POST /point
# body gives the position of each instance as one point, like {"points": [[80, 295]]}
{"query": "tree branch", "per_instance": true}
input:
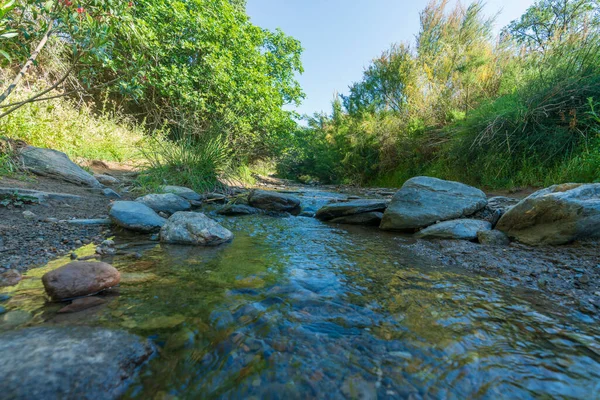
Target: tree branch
{"points": [[27, 65]]}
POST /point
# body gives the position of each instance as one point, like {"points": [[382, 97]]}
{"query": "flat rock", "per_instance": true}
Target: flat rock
{"points": [[556, 215], [111, 194], [461, 229], [372, 218], [337, 210], [79, 278], [135, 216], [191, 228], [168, 203], [85, 222], [107, 179], [423, 201], [237, 209], [493, 237], [82, 304], [273, 201], [51, 363], [55, 164], [40, 196], [184, 192]]}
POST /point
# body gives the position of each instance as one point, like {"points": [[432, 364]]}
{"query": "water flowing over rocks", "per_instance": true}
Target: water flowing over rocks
{"points": [[78, 279], [55, 164], [191, 228], [423, 201], [273, 201], [462, 229], [135, 216], [168, 203], [354, 207], [556, 215], [48, 363]]}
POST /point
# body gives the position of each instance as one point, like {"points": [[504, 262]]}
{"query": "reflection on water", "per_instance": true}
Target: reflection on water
{"points": [[295, 308]]}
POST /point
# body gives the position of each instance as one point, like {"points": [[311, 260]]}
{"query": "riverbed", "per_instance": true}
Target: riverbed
{"points": [[298, 308]]}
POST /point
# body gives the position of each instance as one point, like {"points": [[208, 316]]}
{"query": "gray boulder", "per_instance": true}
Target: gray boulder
{"points": [[556, 215], [48, 363], [55, 164], [135, 216], [273, 201], [184, 192], [237, 209], [107, 179], [168, 203], [493, 237], [461, 229], [191, 228], [111, 194], [372, 218], [423, 201], [337, 210]]}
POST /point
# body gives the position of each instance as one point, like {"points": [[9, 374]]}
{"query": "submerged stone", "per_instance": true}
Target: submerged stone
{"points": [[48, 363], [338, 210]]}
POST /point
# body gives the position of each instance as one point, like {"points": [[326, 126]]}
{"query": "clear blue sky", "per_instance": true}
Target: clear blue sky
{"points": [[340, 37]]}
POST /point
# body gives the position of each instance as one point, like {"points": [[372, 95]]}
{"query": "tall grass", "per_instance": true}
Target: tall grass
{"points": [[75, 129], [185, 160]]}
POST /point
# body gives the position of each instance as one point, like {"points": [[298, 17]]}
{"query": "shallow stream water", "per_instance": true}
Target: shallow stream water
{"points": [[297, 308]]}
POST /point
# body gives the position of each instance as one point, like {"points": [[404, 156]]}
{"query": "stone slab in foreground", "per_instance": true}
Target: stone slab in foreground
{"points": [[51, 363]]}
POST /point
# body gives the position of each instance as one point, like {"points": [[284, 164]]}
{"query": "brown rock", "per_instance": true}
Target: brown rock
{"points": [[78, 279], [82, 304], [10, 278]]}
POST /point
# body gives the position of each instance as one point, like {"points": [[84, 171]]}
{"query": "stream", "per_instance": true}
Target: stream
{"points": [[298, 308]]}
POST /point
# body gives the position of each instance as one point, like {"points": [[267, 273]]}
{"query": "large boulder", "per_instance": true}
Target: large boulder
{"points": [[49, 363], [423, 201], [556, 215], [55, 164], [461, 229], [79, 278], [135, 216], [273, 201], [372, 218], [184, 192], [168, 203], [191, 228], [337, 210]]}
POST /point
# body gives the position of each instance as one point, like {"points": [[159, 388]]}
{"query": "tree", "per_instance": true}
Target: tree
{"points": [[84, 29], [552, 21]]}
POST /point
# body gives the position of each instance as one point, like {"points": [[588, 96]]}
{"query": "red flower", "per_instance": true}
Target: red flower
{"points": [[80, 10], [131, 4]]}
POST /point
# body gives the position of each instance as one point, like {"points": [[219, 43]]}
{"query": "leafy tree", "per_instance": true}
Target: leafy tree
{"points": [[549, 22]]}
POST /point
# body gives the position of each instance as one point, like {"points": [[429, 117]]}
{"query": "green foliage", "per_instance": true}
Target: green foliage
{"points": [[78, 131], [516, 113], [17, 200], [197, 163]]}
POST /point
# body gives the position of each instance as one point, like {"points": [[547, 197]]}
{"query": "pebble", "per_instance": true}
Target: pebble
{"points": [[108, 243], [29, 215], [584, 279], [73, 256]]}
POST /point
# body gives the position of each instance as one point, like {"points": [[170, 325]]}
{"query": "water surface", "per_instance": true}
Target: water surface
{"points": [[297, 308]]}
